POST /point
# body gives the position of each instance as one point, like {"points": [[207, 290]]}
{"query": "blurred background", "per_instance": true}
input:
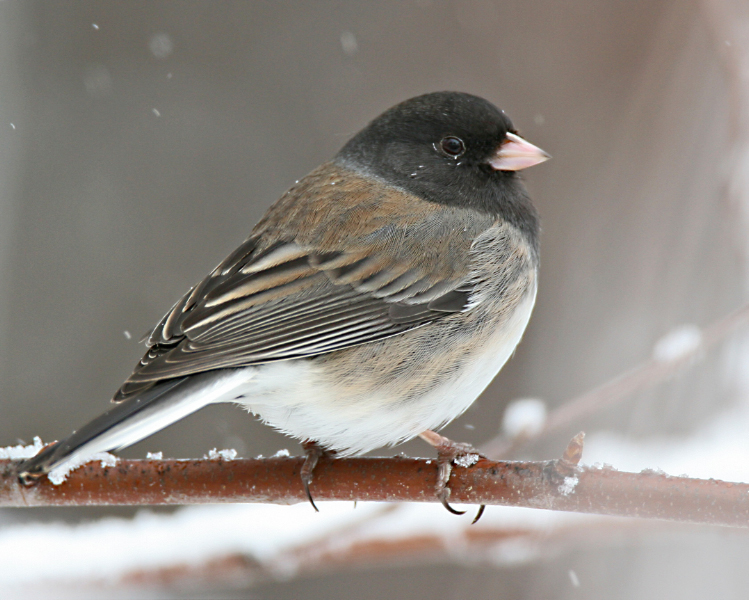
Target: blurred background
{"points": [[140, 141]]}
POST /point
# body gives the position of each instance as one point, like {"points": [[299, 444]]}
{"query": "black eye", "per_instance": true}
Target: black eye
{"points": [[452, 146]]}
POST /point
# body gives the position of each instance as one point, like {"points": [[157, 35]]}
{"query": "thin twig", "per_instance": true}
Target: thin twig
{"points": [[642, 377]]}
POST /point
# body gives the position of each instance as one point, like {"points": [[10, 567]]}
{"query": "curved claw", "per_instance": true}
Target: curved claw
{"points": [[447, 452], [312, 453], [482, 508], [309, 495], [450, 509]]}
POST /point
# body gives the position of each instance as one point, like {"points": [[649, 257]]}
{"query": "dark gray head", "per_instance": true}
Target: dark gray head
{"points": [[451, 148]]}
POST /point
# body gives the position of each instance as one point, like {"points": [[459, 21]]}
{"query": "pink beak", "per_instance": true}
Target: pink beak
{"points": [[515, 154]]}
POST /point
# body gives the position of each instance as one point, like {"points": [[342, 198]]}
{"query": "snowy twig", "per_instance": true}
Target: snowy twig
{"points": [[660, 367], [553, 485]]}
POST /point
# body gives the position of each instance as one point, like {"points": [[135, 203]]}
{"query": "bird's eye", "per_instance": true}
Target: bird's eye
{"points": [[452, 146]]}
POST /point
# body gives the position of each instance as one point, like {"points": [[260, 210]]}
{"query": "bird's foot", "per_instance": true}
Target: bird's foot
{"points": [[312, 454], [449, 454]]}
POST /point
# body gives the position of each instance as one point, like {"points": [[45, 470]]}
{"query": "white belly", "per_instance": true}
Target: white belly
{"points": [[299, 398]]}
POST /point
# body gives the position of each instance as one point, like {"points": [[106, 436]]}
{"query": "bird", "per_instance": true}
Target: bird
{"points": [[372, 303]]}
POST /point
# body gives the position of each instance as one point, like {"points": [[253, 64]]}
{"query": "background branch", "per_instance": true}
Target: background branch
{"points": [[643, 376]]}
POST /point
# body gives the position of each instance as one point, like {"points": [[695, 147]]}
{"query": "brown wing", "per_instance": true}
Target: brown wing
{"points": [[284, 294]]}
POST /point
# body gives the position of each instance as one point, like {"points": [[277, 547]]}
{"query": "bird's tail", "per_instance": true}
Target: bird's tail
{"points": [[131, 421]]}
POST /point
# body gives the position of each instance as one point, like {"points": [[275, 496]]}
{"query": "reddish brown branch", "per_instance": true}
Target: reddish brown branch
{"points": [[554, 485]]}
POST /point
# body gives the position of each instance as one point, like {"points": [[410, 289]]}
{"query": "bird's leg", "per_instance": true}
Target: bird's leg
{"points": [[312, 453], [451, 453]]}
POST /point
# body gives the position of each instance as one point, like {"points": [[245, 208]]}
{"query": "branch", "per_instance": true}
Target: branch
{"points": [[644, 376], [553, 485], [337, 553]]}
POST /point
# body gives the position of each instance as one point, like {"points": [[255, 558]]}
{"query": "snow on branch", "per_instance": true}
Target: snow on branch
{"points": [[554, 485]]}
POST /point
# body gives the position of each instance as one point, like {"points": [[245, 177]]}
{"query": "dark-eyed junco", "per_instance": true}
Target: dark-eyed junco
{"points": [[373, 302]]}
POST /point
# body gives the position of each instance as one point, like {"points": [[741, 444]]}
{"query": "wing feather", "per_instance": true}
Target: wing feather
{"points": [[281, 295]]}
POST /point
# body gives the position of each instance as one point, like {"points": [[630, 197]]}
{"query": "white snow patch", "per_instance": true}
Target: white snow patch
{"points": [[349, 43], [466, 460], [60, 474], [154, 455], [574, 578], [677, 343], [656, 472], [229, 454], [21, 451], [569, 485], [717, 451], [33, 554], [525, 416], [283, 453], [603, 466], [161, 45]]}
